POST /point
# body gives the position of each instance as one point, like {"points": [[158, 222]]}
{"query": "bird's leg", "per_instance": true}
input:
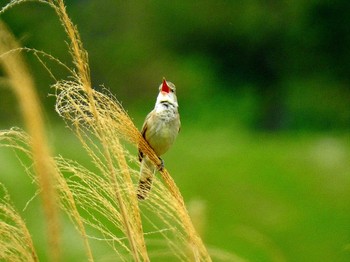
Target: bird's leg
{"points": [[161, 166]]}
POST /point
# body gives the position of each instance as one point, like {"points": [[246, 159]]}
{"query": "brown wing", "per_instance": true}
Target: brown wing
{"points": [[143, 133]]}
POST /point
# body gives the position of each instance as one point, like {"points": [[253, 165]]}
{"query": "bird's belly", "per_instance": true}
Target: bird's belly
{"points": [[162, 137]]}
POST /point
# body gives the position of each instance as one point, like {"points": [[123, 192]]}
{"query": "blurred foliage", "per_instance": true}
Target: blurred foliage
{"points": [[289, 59], [271, 65]]}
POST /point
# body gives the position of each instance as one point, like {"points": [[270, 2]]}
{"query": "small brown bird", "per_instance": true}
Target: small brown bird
{"points": [[160, 130]]}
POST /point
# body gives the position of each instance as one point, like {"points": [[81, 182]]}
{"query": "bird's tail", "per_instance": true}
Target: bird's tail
{"points": [[147, 171]]}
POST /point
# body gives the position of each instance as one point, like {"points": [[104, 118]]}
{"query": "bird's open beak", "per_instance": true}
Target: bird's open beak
{"points": [[165, 87]]}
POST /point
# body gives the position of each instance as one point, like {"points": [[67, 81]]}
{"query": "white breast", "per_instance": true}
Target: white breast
{"points": [[162, 132]]}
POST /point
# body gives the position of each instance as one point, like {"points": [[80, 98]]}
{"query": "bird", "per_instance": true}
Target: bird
{"points": [[160, 130]]}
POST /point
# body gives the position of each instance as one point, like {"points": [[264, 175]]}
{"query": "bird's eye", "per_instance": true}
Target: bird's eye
{"points": [[172, 90]]}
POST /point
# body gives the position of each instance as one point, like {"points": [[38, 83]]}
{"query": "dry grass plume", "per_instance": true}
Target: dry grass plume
{"points": [[15, 242], [23, 87], [102, 202]]}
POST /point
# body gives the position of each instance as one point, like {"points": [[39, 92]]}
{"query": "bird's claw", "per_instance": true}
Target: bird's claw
{"points": [[161, 166]]}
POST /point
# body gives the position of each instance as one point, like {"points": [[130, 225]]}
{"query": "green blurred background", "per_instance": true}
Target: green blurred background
{"points": [[264, 92]]}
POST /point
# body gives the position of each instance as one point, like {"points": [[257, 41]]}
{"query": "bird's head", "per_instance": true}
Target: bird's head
{"points": [[167, 93]]}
